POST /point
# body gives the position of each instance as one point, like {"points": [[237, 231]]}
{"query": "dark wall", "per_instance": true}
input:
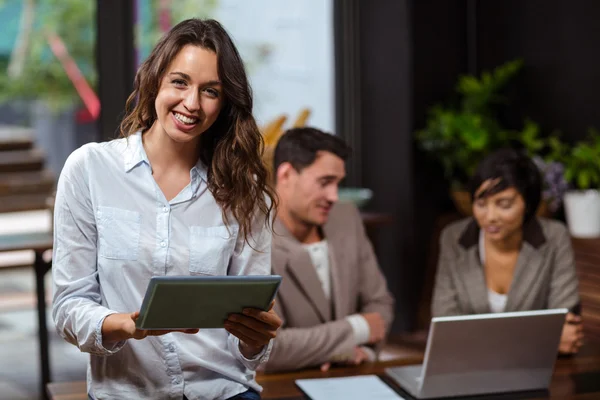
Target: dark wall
{"points": [[559, 42], [439, 56], [412, 53], [439, 34], [115, 62], [410, 56], [386, 122]]}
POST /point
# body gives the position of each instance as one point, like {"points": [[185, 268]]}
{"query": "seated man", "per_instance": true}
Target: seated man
{"points": [[333, 300]]}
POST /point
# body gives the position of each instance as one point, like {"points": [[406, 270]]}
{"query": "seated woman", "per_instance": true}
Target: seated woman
{"points": [[504, 258]]}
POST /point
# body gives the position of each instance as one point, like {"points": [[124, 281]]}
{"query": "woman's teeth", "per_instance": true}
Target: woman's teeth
{"points": [[184, 119]]}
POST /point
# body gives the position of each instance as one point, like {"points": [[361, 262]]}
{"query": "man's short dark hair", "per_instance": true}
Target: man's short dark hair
{"points": [[515, 169], [299, 147]]}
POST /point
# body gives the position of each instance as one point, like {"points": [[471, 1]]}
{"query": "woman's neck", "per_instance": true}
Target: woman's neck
{"points": [[164, 153], [508, 244]]}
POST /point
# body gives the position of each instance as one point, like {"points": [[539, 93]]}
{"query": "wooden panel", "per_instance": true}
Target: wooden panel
{"points": [[67, 391], [16, 144], [26, 182], [587, 260], [24, 202], [15, 138], [21, 160]]}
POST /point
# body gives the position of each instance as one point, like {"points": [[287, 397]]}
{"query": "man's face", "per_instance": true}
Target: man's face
{"points": [[308, 195]]}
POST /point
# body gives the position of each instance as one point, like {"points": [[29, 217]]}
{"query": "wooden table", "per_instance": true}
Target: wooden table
{"points": [[574, 378], [38, 243]]}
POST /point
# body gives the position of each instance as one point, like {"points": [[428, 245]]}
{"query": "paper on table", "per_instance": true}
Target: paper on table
{"points": [[348, 388]]}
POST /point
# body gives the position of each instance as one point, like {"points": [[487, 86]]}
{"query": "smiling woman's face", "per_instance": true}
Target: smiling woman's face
{"points": [[499, 215], [190, 95]]}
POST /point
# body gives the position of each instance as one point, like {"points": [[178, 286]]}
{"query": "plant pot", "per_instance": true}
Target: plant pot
{"points": [[464, 205], [582, 211]]}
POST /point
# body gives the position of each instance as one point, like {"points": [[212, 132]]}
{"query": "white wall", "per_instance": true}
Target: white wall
{"points": [[288, 49]]}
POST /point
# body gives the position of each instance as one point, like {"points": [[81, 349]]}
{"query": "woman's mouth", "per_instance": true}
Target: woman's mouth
{"points": [[492, 229], [185, 119], [184, 122]]}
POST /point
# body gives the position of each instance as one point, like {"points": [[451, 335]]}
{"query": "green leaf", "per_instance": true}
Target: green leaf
{"points": [[458, 138], [583, 180]]}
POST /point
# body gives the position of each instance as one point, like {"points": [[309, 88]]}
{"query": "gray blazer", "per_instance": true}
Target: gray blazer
{"points": [[544, 276], [314, 330]]}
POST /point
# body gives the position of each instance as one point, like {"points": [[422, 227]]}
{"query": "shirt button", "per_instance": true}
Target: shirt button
{"points": [[171, 348], [163, 244], [166, 209], [177, 380]]}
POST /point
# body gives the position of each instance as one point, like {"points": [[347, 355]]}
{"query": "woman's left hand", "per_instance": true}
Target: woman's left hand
{"points": [[572, 335], [255, 328]]}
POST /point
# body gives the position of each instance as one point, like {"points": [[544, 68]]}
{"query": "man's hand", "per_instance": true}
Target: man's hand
{"points": [[572, 335], [376, 327], [255, 328], [121, 326], [360, 356]]}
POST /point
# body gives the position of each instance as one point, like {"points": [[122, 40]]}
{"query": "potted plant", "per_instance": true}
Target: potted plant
{"points": [[554, 184], [582, 171], [459, 137]]}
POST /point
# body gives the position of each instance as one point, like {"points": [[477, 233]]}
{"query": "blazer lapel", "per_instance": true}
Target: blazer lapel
{"points": [[529, 263], [303, 272], [338, 278], [473, 279], [524, 279]]}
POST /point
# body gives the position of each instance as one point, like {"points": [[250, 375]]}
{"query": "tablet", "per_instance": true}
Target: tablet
{"points": [[186, 302]]}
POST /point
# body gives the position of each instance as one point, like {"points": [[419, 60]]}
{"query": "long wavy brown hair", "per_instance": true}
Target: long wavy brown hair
{"points": [[232, 147]]}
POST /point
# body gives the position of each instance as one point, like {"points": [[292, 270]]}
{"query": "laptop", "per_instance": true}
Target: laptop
{"points": [[485, 354]]}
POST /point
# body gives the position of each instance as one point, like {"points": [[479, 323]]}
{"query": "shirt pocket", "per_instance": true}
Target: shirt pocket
{"points": [[118, 233], [211, 249]]}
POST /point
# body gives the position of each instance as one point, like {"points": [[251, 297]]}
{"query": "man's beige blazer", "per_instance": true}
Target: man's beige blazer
{"points": [[314, 330]]}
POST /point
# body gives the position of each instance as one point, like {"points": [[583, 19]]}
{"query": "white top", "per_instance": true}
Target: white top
{"points": [[114, 230], [496, 301], [319, 255]]}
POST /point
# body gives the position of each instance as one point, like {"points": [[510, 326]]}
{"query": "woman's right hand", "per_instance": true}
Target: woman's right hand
{"points": [[121, 326], [572, 335]]}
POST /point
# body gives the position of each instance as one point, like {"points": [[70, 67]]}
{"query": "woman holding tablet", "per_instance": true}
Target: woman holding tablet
{"points": [[183, 192], [505, 258]]}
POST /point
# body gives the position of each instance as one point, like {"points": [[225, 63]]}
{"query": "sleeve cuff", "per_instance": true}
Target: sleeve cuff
{"points": [[250, 363], [371, 354], [100, 349], [360, 327]]}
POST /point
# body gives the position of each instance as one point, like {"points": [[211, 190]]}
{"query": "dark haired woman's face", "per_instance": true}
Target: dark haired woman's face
{"points": [[190, 95], [499, 215]]}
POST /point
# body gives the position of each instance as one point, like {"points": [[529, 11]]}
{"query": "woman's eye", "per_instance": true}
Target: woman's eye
{"points": [[212, 92], [178, 82], [505, 205]]}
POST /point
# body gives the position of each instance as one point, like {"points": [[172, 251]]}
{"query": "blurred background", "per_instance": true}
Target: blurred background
{"points": [[421, 90]]}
